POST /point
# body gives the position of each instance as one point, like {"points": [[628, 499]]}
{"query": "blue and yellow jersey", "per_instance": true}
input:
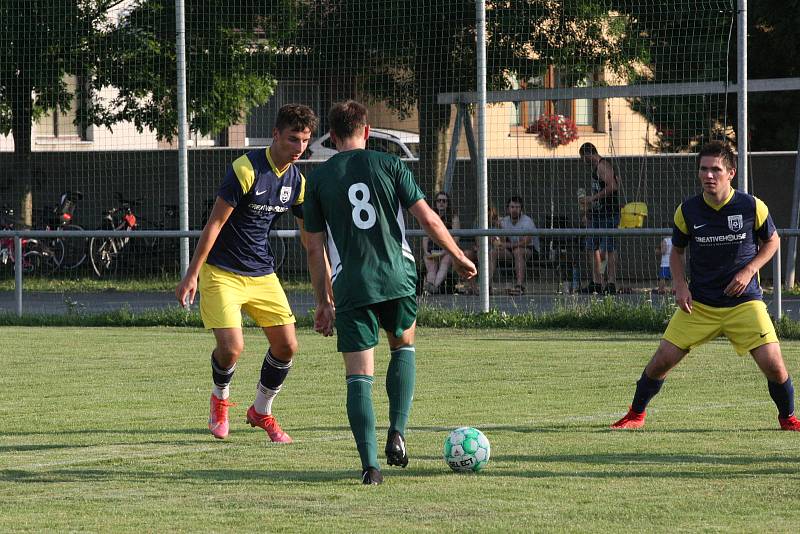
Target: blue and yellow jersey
{"points": [[722, 240], [259, 194]]}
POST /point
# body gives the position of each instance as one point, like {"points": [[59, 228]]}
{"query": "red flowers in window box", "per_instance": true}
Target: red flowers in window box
{"points": [[555, 130]]}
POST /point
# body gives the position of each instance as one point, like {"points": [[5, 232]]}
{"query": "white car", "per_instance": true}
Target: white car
{"points": [[404, 145]]}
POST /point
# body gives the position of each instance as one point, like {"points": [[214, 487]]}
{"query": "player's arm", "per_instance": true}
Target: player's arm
{"points": [[435, 228], [187, 288], [321, 282], [766, 250], [677, 260], [677, 265]]}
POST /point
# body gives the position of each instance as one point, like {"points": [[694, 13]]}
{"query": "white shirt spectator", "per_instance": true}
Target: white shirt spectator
{"points": [[666, 249], [523, 223]]}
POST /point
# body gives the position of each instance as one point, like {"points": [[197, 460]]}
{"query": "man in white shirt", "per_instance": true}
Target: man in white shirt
{"points": [[519, 248]]}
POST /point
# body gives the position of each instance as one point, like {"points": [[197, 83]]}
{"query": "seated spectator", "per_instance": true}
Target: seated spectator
{"points": [[518, 248], [437, 260]]}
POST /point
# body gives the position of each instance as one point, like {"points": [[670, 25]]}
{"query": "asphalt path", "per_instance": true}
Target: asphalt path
{"points": [[40, 302]]}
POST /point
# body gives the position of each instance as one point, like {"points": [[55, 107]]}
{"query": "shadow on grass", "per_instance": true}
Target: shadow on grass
{"points": [[591, 466], [615, 338]]}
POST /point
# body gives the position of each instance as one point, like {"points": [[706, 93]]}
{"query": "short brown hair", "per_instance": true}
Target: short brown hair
{"points": [[346, 118], [296, 117], [587, 149], [718, 149]]}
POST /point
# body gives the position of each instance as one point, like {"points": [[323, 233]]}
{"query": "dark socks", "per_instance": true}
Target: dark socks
{"points": [[221, 377], [274, 371], [646, 389], [362, 418], [400, 381], [783, 395]]}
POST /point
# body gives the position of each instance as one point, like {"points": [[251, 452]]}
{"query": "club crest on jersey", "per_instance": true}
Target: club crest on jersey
{"points": [[735, 222], [286, 194]]}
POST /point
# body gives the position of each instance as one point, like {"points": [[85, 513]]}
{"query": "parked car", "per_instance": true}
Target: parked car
{"points": [[405, 145]]}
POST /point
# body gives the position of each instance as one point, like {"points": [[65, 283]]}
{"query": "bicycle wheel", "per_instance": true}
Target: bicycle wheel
{"points": [[74, 248], [278, 248], [43, 256], [103, 256]]}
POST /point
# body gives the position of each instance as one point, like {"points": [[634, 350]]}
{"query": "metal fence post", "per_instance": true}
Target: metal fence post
{"points": [[483, 188], [183, 154], [18, 273]]}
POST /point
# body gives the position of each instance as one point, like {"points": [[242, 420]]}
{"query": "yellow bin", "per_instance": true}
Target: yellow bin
{"points": [[632, 215]]}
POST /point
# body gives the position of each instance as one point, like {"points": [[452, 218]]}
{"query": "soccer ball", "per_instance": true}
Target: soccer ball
{"points": [[466, 449]]}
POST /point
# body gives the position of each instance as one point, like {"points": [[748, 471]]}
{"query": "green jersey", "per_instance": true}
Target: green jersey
{"points": [[357, 197]]}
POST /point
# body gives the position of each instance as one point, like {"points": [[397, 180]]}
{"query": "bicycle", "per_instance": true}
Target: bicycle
{"points": [[36, 255], [61, 216], [104, 251]]}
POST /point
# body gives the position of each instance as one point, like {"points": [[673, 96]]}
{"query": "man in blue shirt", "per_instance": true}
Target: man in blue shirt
{"points": [[730, 236], [235, 267]]}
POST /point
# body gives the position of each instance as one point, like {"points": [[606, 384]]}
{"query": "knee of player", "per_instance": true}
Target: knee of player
{"points": [[285, 350], [228, 351]]}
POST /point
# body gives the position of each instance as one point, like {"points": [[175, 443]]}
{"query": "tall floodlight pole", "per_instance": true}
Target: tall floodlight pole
{"points": [[183, 154], [741, 58], [483, 196]]}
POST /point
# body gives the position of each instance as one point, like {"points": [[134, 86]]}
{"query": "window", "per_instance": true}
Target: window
{"points": [[582, 111], [262, 119], [60, 124]]}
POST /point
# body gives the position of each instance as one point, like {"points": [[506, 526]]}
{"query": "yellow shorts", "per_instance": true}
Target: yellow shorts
{"points": [[223, 296], [747, 326]]}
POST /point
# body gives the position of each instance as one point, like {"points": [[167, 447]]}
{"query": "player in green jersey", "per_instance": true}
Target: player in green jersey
{"points": [[353, 210]]}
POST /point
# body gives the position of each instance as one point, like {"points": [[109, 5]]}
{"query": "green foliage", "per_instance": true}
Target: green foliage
{"points": [[230, 54], [606, 314]]}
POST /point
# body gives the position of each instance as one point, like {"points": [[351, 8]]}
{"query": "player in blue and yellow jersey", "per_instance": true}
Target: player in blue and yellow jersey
{"points": [[354, 205], [730, 236], [235, 267]]}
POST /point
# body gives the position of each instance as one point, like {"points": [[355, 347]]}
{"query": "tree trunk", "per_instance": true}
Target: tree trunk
{"points": [[22, 120], [434, 120]]}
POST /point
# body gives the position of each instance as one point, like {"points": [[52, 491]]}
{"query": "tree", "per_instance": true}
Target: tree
{"points": [[706, 35], [774, 52], [404, 53], [129, 45]]}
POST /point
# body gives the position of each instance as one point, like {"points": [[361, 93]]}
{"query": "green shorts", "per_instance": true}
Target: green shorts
{"points": [[747, 326], [357, 329]]}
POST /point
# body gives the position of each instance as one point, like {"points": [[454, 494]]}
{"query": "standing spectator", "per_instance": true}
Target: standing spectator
{"points": [[517, 248], [354, 204], [730, 236], [664, 274], [601, 210], [236, 271], [437, 260]]}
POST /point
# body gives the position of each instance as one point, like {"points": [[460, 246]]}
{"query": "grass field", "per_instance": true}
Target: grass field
{"points": [[104, 429]]}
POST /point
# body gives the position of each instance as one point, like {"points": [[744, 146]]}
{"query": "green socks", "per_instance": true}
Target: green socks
{"points": [[400, 380], [362, 418]]}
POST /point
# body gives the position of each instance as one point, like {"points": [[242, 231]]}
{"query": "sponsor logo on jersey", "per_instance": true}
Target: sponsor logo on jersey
{"points": [[286, 194], [735, 222], [728, 238], [268, 208]]}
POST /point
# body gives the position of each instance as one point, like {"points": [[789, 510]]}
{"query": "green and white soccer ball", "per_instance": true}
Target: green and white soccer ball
{"points": [[466, 449]]}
